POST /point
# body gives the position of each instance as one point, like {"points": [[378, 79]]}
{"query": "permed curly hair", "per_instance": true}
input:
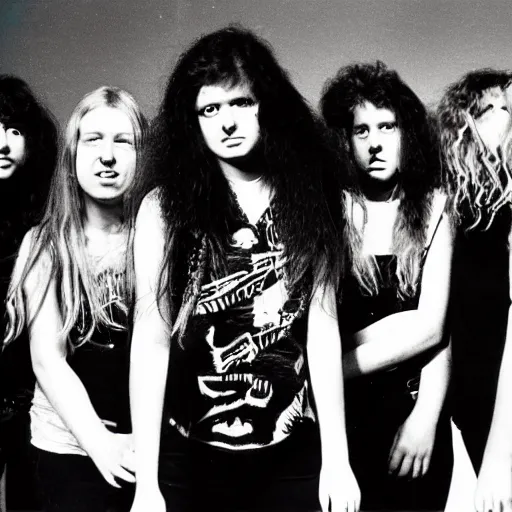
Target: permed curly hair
{"points": [[351, 87], [196, 198], [478, 179]]}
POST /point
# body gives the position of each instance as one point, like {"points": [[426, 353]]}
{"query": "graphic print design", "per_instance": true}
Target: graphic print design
{"points": [[251, 383]]}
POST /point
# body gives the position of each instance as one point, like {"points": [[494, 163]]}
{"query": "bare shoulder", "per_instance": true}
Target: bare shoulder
{"points": [[34, 263], [151, 206], [150, 220], [439, 200]]}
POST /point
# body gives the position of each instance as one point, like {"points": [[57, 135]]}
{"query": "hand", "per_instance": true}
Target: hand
{"points": [[145, 500], [494, 484], [412, 447], [113, 456], [338, 490]]}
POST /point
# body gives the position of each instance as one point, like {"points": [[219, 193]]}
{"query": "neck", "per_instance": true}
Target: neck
{"points": [[248, 170], [103, 217], [379, 191]]}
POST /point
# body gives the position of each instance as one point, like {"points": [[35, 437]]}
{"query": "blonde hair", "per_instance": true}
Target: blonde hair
{"points": [[478, 179], [409, 239], [60, 237]]}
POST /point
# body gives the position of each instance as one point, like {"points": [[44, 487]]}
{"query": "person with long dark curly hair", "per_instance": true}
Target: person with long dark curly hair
{"points": [[394, 301], [475, 126], [235, 248], [28, 151], [69, 291]]}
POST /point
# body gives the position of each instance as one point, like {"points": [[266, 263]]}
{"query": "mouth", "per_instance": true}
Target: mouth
{"points": [[232, 139], [374, 159], [5, 161], [107, 174]]}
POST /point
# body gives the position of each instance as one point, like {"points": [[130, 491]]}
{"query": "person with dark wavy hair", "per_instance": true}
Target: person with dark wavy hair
{"points": [[235, 249], [28, 151], [393, 304], [475, 127]]}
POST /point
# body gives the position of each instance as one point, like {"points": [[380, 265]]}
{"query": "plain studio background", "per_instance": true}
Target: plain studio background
{"points": [[64, 49]]}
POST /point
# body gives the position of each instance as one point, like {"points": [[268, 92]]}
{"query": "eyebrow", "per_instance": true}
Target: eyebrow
{"points": [[248, 95], [96, 132], [481, 111]]}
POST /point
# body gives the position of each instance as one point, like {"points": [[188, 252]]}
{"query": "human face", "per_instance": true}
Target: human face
{"points": [[492, 117], [376, 141], [12, 150], [105, 156], [228, 117]]}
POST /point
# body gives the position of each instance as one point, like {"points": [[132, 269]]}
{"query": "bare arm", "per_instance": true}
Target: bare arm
{"points": [[324, 355], [149, 354], [414, 441], [59, 382], [404, 335], [435, 378]]}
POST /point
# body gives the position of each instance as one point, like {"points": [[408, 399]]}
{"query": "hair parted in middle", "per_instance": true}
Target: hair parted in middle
{"points": [[23, 195], [419, 171], [59, 240], [296, 161], [477, 179]]}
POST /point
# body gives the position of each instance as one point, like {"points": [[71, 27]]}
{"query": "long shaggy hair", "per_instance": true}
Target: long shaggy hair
{"points": [[352, 86], [477, 178], [23, 195], [60, 239], [198, 203]]}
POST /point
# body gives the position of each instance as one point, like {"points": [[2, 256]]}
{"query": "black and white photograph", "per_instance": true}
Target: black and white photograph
{"points": [[255, 255]]}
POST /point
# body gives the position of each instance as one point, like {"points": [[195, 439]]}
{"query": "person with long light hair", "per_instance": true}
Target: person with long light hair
{"points": [[69, 290], [28, 152], [235, 248], [475, 131], [393, 303]]}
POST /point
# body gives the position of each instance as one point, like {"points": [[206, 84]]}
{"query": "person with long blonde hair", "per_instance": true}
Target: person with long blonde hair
{"points": [[69, 290], [475, 127], [393, 303]]}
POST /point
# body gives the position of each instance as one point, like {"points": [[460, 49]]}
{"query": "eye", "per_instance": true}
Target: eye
{"points": [[243, 102], [90, 139], [209, 111], [388, 127], [124, 140], [361, 132], [16, 132]]}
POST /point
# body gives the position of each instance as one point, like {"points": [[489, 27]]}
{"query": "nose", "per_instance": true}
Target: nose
{"points": [[107, 153], [4, 147], [228, 121], [374, 143]]}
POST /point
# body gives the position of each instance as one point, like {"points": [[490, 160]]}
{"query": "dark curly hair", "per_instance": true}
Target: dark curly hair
{"points": [[23, 195], [478, 180], [419, 170], [295, 154]]}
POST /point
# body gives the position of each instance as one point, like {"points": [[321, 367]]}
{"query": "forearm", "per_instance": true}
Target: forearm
{"points": [[68, 396], [434, 382], [391, 341], [148, 374], [324, 357]]}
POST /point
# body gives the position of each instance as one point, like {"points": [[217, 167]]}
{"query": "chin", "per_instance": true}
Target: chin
{"points": [[5, 174]]}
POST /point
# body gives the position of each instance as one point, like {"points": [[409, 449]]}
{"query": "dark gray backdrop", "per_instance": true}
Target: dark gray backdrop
{"points": [[65, 48]]}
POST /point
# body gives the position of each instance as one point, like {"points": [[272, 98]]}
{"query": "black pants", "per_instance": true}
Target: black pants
{"points": [[71, 483], [375, 409], [195, 476]]}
